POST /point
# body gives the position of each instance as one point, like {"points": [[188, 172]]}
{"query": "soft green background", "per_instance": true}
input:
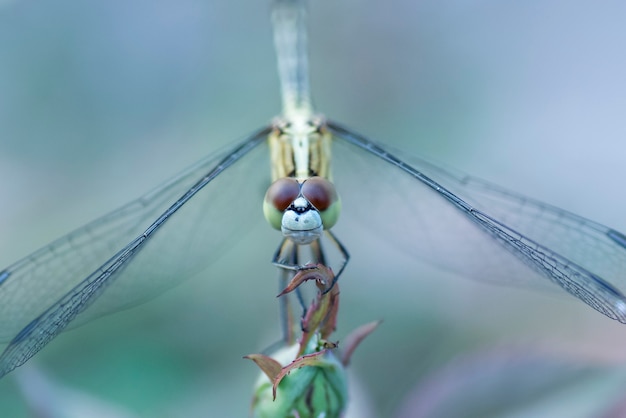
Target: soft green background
{"points": [[100, 101]]}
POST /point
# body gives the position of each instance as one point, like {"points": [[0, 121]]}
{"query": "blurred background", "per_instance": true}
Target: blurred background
{"points": [[101, 101]]}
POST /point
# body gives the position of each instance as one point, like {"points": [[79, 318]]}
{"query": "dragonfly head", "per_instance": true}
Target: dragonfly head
{"points": [[302, 209]]}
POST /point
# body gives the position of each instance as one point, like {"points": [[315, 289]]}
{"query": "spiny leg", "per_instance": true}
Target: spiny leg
{"points": [[281, 256], [288, 255], [344, 255]]}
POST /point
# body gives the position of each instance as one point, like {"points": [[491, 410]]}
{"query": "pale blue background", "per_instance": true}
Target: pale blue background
{"points": [[100, 101]]}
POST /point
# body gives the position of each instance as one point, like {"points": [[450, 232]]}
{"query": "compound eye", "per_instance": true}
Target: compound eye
{"points": [[323, 196], [320, 192], [278, 197], [282, 192]]}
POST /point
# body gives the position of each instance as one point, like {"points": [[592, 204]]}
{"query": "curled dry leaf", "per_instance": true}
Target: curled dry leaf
{"points": [[321, 317], [322, 275]]}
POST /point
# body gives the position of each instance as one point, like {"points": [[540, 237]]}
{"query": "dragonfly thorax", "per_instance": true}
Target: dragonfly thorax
{"points": [[300, 148]]}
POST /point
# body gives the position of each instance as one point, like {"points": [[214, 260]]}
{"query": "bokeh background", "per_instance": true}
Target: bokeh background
{"points": [[101, 101]]}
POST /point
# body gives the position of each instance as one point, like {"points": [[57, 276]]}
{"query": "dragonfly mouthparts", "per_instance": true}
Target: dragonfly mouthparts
{"points": [[301, 222]]}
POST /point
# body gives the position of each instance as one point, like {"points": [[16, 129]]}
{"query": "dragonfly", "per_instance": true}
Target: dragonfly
{"points": [[457, 222]]}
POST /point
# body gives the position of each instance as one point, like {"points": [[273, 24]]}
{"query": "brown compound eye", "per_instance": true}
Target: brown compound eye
{"points": [[282, 192], [320, 192], [323, 196], [278, 197]]}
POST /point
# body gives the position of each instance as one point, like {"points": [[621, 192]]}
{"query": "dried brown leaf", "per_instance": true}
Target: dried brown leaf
{"points": [[268, 365]]}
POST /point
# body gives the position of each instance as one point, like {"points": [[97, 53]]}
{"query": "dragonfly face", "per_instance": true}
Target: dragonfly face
{"points": [[301, 210]]}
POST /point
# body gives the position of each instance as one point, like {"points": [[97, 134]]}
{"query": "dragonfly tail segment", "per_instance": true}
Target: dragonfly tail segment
{"points": [[290, 41]]}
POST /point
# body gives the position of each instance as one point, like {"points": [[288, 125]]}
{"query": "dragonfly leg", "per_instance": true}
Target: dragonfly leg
{"points": [[287, 253], [345, 257]]}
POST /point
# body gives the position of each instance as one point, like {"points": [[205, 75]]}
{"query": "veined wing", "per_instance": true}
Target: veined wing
{"points": [[133, 253], [479, 230]]}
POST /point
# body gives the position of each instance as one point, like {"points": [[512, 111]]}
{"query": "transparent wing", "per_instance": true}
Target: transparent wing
{"points": [[476, 229], [134, 252]]}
